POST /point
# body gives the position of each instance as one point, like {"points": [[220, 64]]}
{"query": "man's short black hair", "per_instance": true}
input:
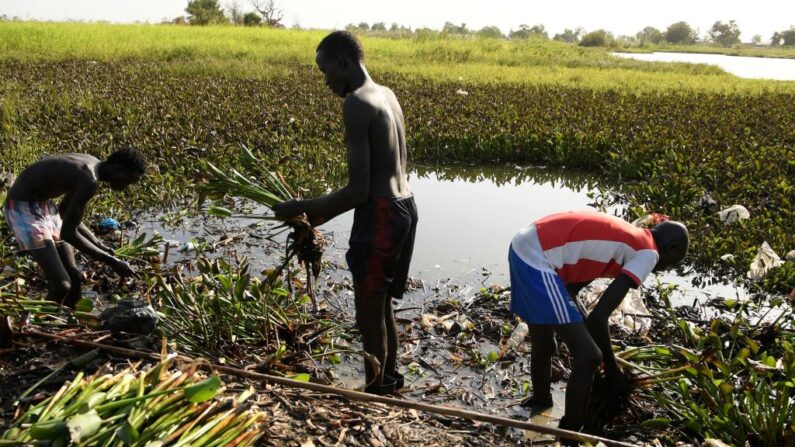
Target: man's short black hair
{"points": [[342, 43], [128, 157]]}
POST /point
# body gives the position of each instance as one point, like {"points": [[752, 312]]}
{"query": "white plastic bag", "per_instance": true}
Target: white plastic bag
{"points": [[766, 259], [629, 314], [733, 214]]}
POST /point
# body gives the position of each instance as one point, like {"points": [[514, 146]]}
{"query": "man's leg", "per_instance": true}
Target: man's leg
{"points": [[371, 322], [586, 358], [542, 347], [390, 364], [67, 255], [58, 281]]}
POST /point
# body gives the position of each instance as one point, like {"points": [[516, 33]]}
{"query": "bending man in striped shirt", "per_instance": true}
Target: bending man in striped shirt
{"points": [[550, 262]]}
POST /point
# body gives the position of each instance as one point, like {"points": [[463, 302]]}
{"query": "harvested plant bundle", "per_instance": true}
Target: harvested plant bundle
{"points": [[43, 311], [140, 248], [305, 242], [151, 408]]}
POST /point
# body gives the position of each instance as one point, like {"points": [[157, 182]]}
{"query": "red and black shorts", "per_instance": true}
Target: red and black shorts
{"points": [[381, 245]]}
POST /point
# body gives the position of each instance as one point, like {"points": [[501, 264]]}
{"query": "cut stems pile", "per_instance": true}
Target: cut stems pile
{"points": [[157, 407]]}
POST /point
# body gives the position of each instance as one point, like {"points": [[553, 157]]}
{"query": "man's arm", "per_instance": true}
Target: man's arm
{"points": [[93, 239], [597, 321], [357, 115], [81, 228], [72, 214]]}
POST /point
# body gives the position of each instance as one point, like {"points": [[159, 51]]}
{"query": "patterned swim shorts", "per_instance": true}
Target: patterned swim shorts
{"points": [[33, 223]]}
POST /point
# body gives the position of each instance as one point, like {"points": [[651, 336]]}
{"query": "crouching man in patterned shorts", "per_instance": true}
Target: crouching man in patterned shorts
{"points": [[48, 231]]}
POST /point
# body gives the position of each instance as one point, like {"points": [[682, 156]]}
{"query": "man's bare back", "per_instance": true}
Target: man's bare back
{"points": [[54, 177], [388, 177]]}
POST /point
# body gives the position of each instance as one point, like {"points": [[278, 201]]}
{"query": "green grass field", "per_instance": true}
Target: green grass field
{"points": [[262, 53]]}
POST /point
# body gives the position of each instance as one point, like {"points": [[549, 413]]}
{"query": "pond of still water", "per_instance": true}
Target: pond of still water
{"points": [[741, 66]]}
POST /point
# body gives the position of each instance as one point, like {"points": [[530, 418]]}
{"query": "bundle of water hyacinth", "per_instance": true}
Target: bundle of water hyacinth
{"points": [[152, 408], [141, 248], [305, 242]]}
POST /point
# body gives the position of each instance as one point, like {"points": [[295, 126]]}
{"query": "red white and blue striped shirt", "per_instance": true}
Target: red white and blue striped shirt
{"points": [[583, 246]]}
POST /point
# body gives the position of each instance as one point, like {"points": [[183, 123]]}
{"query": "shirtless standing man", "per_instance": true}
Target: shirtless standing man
{"points": [[385, 220], [48, 232]]}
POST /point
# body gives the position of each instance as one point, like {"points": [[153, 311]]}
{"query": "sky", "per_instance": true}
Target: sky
{"points": [[625, 17]]}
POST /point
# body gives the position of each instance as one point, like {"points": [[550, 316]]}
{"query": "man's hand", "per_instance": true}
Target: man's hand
{"points": [[288, 209], [121, 268], [316, 221]]}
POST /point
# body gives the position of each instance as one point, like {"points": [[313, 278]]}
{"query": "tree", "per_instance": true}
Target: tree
{"points": [[784, 37], [379, 26], [725, 34], [598, 38], [757, 39], [490, 31], [235, 11], [450, 28], [681, 33], [650, 35], [205, 12], [271, 15], [252, 19], [526, 32], [570, 36]]}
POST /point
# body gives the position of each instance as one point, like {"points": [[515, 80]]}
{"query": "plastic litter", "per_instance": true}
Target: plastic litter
{"points": [[628, 315], [132, 316], [649, 220], [727, 257], [764, 261], [734, 213], [108, 224], [462, 92], [707, 203], [518, 335], [790, 256], [187, 247]]}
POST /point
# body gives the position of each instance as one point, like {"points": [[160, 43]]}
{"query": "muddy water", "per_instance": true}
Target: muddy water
{"points": [[468, 216]]}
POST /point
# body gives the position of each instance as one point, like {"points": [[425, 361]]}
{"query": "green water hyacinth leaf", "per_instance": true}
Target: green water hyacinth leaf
{"points": [[302, 377], [84, 305], [48, 431], [204, 390], [83, 425], [93, 401], [127, 433], [657, 423], [219, 211]]}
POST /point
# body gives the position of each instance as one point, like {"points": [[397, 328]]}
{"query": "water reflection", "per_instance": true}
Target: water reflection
{"points": [[468, 214], [508, 175]]}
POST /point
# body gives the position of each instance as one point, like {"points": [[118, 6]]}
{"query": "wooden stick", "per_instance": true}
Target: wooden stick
{"points": [[350, 394]]}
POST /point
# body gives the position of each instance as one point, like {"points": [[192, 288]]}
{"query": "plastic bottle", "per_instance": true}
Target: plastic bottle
{"points": [[518, 335]]}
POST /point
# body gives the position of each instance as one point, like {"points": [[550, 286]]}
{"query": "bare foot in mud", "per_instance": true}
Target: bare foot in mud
{"points": [[537, 403]]}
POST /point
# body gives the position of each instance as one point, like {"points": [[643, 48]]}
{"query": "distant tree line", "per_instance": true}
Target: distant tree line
{"points": [[680, 33], [209, 12]]}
